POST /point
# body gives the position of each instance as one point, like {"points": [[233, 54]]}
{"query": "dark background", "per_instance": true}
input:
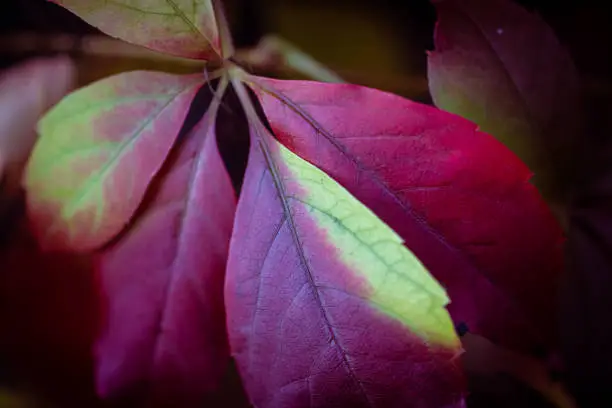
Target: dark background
{"points": [[378, 43]]}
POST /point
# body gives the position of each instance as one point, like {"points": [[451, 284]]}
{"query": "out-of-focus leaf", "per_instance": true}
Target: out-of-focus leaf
{"points": [[325, 305], [503, 68], [277, 55], [27, 91], [185, 28], [162, 282], [99, 149], [460, 200]]}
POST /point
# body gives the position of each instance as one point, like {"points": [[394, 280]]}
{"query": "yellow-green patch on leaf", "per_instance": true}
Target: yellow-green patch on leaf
{"points": [[398, 284], [98, 151]]}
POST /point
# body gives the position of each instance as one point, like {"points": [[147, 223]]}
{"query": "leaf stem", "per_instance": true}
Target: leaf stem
{"points": [[227, 44], [275, 54]]}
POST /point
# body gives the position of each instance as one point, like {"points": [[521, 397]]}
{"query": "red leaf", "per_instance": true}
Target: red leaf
{"points": [[503, 68], [98, 151], [460, 200], [316, 297], [162, 283]]}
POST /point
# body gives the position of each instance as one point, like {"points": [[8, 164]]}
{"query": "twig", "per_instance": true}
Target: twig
{"points": [[274, 54]]}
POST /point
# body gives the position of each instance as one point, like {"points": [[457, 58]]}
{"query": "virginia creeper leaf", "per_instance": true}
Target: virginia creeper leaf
{"points": [[503, 68], [325, 305], [458, 197], [163, 283], [99, 149], [184, 28]]}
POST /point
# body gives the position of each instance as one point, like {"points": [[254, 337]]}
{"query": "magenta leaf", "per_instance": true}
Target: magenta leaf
{"points": [[98, 151], [459, 198], [162, 282], [325, 305]]}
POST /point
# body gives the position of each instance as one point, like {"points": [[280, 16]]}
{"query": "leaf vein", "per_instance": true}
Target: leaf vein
{"points": [[187, 21], [360, 167], [280, 188], [137, 9], [122, 146], [185, 210], [260, 283], [384, 261]]}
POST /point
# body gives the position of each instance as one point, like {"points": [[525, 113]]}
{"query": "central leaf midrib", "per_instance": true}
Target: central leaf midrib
{"points": [[87, 187], [128, 142], [280, 188], [405, 206], [210, 116], [376, 255]]}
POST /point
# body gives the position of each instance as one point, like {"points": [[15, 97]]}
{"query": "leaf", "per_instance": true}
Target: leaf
{"points": [[99, 149], [162, 282], [40, 84], [459, 199], [275, 54], [325, 305], [184, 28], [503, 68]]}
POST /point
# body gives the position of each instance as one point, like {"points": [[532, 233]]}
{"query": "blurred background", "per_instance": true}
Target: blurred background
{"points": [[380, 43], [377, 43]]}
